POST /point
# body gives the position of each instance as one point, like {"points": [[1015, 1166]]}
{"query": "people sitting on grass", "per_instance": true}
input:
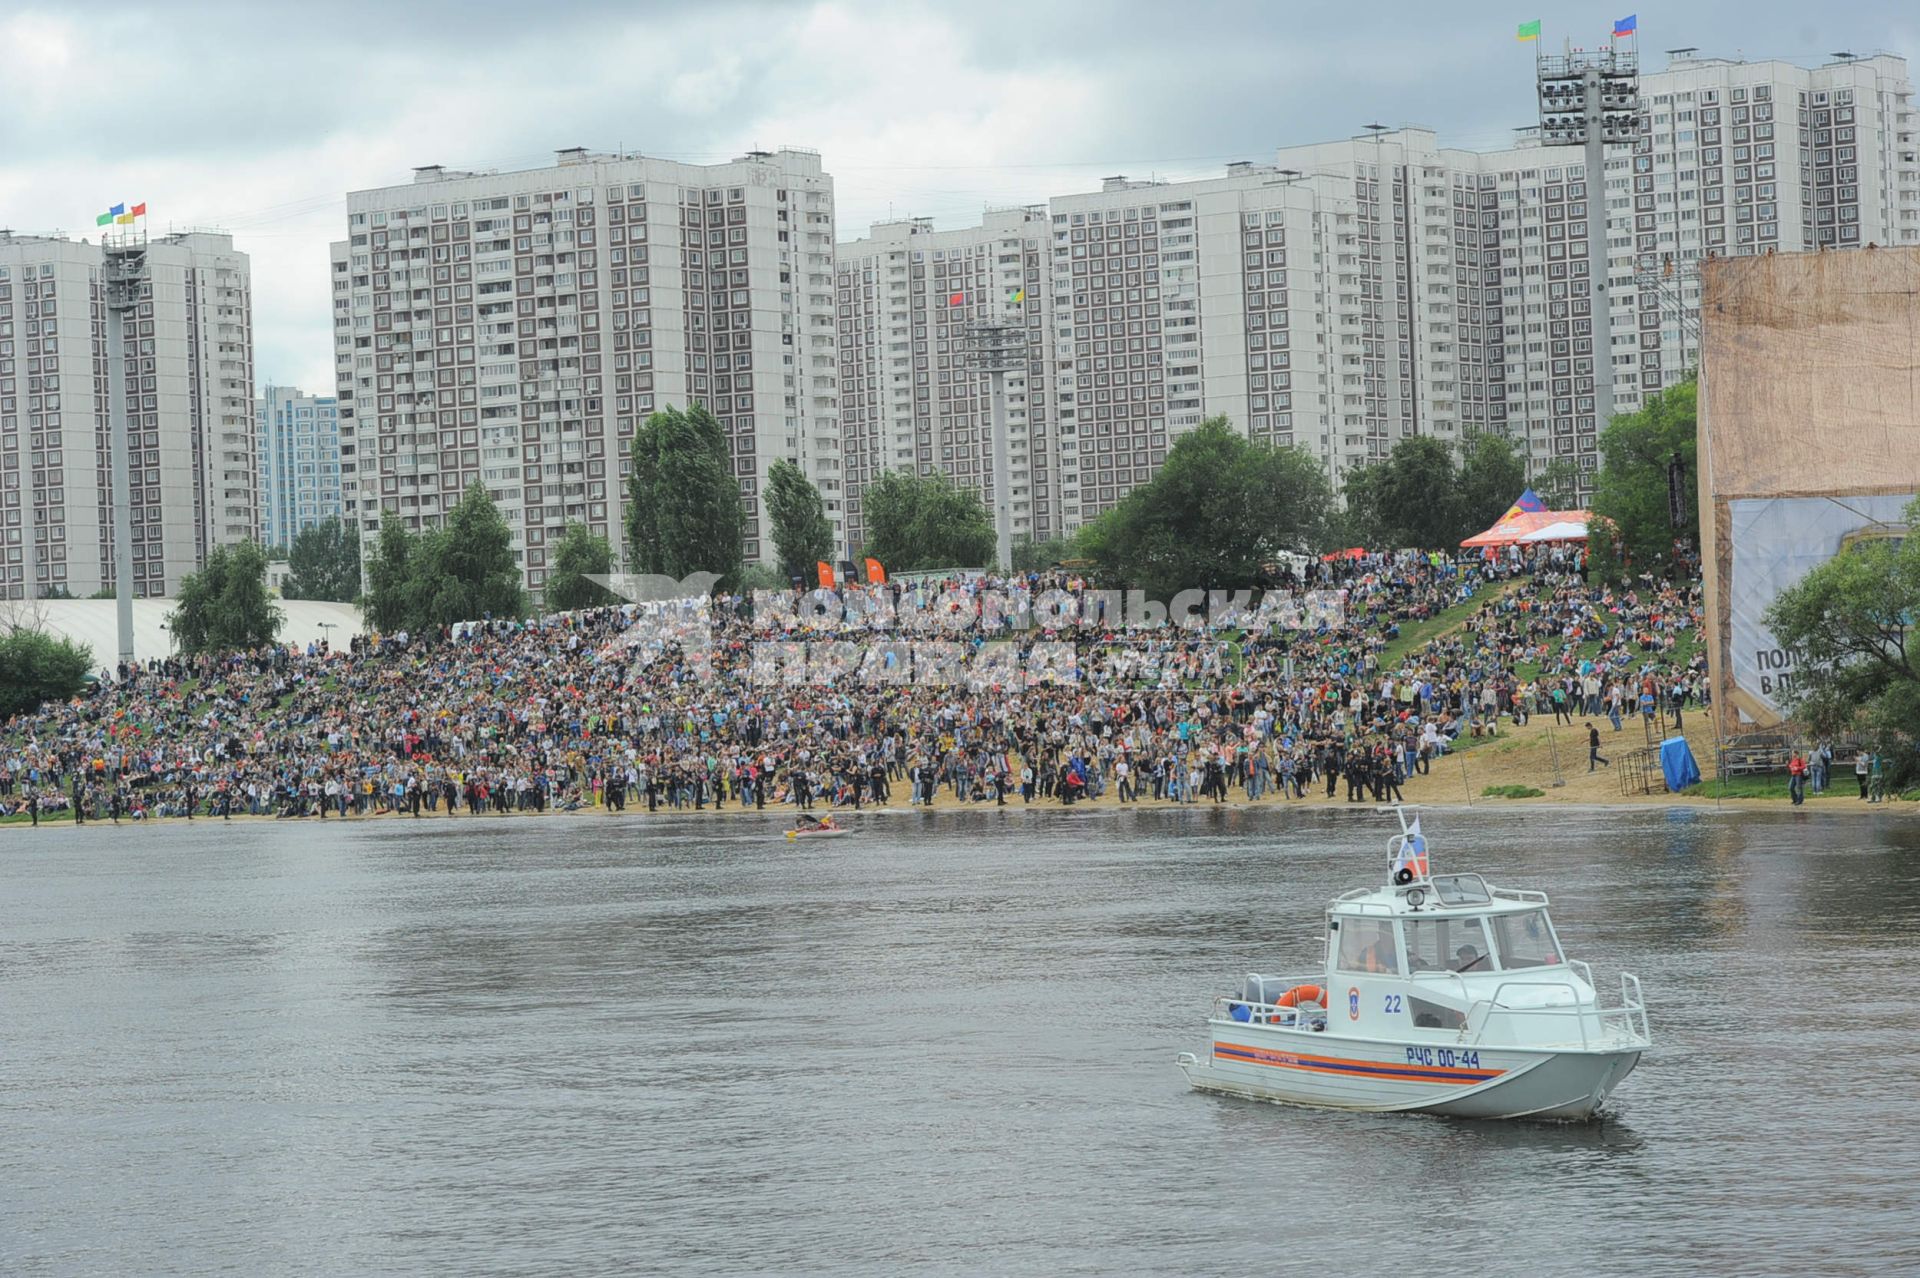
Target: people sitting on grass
{"points": [[567, 713]]}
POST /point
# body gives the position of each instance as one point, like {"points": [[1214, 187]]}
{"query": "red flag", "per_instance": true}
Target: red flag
{"points": [[876, 575], [825, 570], [956, 299], [140, 210]]}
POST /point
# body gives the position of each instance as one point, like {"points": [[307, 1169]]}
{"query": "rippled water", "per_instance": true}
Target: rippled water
{"points": [[947, 1044]]}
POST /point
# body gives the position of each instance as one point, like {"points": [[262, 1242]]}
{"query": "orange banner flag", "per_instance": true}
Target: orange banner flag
{"points": [[876, 575], [825, 570]]}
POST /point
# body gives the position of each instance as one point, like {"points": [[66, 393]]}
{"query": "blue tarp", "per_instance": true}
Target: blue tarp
{"points": [[1676, 760]]}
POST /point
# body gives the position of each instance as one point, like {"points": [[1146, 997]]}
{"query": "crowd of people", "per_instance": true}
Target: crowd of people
{"points": [[662, 706]]}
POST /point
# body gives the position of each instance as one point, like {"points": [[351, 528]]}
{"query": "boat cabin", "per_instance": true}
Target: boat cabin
{"points": [[1421, 954]]}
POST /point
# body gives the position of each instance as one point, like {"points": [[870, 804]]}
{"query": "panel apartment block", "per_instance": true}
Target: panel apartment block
{"points": [[1355, 292], [191, 428], [909, 398], [299, 462], [515, 328]]}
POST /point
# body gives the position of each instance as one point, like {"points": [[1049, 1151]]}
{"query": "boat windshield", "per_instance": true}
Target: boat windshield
{"points": [[1461, 889], [1525, 940], [1448, 945]]}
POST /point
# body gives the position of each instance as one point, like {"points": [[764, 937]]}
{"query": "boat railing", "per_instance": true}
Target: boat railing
{"points": [[1357, 905], [1608, 1024]]}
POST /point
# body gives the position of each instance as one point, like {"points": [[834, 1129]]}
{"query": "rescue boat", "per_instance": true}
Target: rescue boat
{"points": [[1439, 994]]}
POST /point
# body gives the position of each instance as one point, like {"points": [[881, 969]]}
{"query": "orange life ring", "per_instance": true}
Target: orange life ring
{"points": [[1300, 994]]}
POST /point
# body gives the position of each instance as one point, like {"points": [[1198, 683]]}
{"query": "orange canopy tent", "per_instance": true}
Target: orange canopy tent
{"points": [[1527, 517], [1519, 528]]}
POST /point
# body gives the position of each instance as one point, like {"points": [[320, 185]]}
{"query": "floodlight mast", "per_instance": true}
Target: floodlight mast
{"points": [[1590, 98]]}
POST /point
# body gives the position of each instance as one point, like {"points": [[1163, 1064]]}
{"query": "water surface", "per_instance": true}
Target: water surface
{"points": [[946, 1044]]}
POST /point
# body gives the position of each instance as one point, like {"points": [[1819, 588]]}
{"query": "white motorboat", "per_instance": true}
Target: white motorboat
{"points": [[1439, 995]]}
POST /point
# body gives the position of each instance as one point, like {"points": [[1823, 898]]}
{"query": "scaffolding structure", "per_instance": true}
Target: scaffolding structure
{"points": [[1590, 98], [128, 284]]}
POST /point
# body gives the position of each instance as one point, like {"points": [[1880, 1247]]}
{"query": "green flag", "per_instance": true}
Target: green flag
{"points": [[103, 220], [1529, 30]]}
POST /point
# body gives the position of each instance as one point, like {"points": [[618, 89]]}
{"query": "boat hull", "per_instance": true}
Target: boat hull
{"points": [[1336, 1071]]}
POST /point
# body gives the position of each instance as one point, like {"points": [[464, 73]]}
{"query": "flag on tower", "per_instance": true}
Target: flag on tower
{"points": [[103, 220], [139, 210], [1627, 25], [117, 209], [1528, 30], [1412, 856]]}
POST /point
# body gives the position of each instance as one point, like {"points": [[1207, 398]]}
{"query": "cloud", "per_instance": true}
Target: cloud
{"points": [[260, 118]]}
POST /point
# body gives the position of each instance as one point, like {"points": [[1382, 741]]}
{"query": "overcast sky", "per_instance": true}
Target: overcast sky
{"points": [[258, 117]]}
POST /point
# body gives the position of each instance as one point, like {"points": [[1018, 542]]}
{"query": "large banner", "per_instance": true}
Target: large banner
{"points": [[1777, 541]]}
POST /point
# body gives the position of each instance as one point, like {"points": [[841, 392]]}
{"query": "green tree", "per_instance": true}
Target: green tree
{"points": [[36, 667], [1492, 474], [1558, 484], [925, 521], [1412, 498], [387, 605], [466, 570], [582, 553], [684, 513], [1219, 508], [225, 606], [324, 563], [797, 517], [1631, 491], [1850, 625], [1038, 556], [760, 577]]}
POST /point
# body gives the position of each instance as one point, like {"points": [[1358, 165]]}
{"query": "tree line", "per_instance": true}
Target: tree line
{"points": [[1219, 510]]}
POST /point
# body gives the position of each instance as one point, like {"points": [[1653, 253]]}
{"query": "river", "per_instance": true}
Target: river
{"points": [[578, 1045]]}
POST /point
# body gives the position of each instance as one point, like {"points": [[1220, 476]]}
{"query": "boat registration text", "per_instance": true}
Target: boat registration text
{"points": [[1442, 1056]]}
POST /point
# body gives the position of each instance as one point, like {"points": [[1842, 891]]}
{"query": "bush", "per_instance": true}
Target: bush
{"points": [[1511, 792], [36, 667]]}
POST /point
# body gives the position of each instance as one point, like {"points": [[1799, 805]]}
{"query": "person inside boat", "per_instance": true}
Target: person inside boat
{"points": [[1381, 955], [1466, 958]]}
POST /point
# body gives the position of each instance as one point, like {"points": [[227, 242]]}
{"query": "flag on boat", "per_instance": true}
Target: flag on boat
{"points": [[1412, 856], [1528, 30], [1627, 25]]}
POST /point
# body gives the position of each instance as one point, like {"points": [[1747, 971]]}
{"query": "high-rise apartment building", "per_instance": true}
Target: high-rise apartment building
{"points": [[1355, 292], [515, 328], [910, 397], [189, 375], [299, 462]]}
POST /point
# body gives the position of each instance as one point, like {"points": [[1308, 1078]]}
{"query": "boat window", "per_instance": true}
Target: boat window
{"points": [[1461, 889], [1368, 945], [1447, 945], [1428, 1015], [1525, 940]]}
